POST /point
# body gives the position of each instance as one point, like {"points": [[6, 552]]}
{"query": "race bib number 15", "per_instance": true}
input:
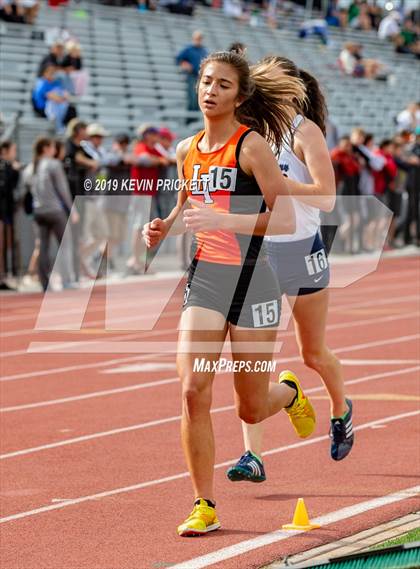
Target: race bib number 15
{"points": [[218, 178], [265, 313]]}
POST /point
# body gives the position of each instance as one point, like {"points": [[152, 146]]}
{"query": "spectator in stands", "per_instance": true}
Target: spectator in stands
{"points": [[353, 63], [412, 234], [390, 26], [235, 9], [57, 57], [143, 5], [184, 7], [331, 134], [385, 188], [335, 15], [51, 101], [19, 11], [77, 167], [9, 12], [408, 40], [238, 47], [314, 27], [363, 16], [375, 13], [189, 59], [52, 209], [347, 171], [409, 118], [146, 161], [78, 75], [76, 163], [30, 10], [95, 230], [9, 179], [164, 201], [116, 205], [369, 161], [28, 179], [56, 3], [404, 162]]}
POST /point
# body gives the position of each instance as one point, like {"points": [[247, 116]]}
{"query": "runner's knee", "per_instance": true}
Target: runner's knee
{"points": [[314, 359], [250, 414], [196, 395]]}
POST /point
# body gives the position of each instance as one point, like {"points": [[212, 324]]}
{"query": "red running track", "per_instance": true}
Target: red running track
{"points": [[92, 473]]}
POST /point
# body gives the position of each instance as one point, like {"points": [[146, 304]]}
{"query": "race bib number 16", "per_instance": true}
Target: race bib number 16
{"points": [[317, 262]]}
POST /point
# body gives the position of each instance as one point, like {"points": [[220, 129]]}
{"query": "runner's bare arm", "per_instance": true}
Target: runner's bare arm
{"points": [[310, 145]]}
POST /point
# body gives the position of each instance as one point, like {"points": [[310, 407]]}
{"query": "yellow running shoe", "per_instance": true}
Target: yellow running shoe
{"points": [[301, 413], [202, 519]]}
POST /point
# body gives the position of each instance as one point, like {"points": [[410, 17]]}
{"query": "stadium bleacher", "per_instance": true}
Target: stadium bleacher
{"points": [[130, 58]]}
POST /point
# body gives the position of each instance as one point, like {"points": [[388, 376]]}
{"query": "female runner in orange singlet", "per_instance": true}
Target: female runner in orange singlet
{"points": [[232, 179]]}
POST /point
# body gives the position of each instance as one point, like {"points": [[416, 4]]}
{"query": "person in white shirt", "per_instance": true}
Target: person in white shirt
{"points": [[409, 118], [389, 26], [301, 265]]}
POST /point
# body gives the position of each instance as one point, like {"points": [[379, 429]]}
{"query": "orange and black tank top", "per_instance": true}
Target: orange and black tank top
{"points": [[216, 179]]}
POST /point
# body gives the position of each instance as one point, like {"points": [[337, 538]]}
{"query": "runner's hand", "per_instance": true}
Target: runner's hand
{"points": [[201, 217], [154, 232]]}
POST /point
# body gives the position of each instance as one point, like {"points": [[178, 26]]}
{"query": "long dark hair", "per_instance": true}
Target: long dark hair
{"points": [[314, 107], [40, 144], [267, 108]]}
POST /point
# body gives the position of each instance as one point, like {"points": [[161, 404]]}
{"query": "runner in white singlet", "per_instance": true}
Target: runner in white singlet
{"points": [[301, 265]]}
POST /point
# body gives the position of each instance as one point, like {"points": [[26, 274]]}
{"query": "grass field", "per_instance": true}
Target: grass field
{"points": [[411, 536]]}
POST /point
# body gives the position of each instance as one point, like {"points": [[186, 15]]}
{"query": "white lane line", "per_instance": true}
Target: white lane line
{"points": [[60, 347], [63, 347], [181, 475], [40, 373], [172, 347], [354, 291], [376, 302], [103, 393], [90, 323], [141, 368], [98, 308], [158, 422], [152, 384], [357, 347], [280, 535], [353, 362], [93, 365], [103, 434], [93, 323]]}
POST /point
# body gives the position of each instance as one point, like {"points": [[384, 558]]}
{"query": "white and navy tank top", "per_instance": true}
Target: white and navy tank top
{"points": [[307, 217]]}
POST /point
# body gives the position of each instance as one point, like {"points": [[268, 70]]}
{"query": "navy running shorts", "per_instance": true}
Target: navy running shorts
{"points": [[301, 267], [247, 296]]}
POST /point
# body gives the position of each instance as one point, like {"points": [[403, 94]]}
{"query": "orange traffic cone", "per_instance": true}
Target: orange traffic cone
{"points": [[301, 519]]}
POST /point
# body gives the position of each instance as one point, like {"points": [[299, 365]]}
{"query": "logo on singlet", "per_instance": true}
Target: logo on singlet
{"points": [[218, 178], [284, 168]]}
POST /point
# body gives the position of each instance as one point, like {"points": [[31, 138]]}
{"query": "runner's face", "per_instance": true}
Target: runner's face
{"points": [[218, 90]]}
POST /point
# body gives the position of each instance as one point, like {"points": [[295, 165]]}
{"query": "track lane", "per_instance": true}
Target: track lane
{"points": [[123, 529], [131, 541]]}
